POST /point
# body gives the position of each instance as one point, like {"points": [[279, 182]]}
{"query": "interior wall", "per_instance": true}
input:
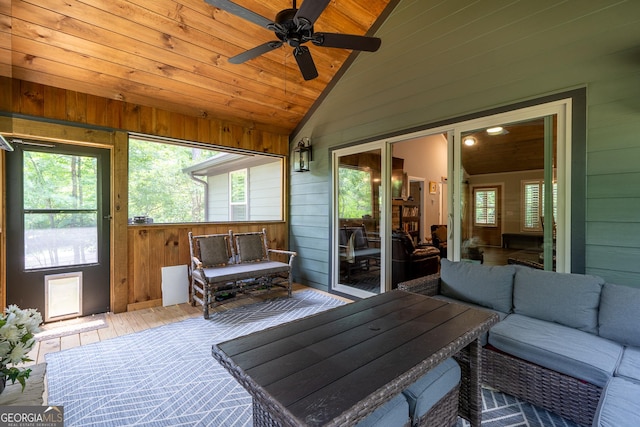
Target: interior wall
{"points": [[426, 157]]}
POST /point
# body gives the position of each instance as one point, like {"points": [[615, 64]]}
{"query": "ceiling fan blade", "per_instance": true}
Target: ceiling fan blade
{"points": [[240, 11], [305, 62], [309, 12], [255, 52], [347, 41]]}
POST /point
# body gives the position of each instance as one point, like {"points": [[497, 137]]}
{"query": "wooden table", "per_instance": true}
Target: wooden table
{"points": [[334, 368]]}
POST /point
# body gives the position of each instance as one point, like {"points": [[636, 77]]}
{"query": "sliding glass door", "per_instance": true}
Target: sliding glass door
{"points": [[510, 183]]}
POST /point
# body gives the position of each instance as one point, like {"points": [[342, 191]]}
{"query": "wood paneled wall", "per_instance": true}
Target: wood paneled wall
{"points": [[138, 252]]}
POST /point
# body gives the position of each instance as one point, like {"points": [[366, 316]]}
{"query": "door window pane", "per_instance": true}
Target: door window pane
{"points": [[60, 239]]}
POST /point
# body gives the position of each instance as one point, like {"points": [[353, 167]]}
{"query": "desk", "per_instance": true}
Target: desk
{"points": [[334, 368]]}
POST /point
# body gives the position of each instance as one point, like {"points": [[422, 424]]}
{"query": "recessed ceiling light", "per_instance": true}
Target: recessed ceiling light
{"points": [[495, 130], [469, 141]]}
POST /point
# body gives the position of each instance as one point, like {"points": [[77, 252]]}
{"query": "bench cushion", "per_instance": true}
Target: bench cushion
{"points": [[630, 364], [393, 413], [568, 299], [620, 314], [431, 387], [618, 406], [566, 350], [488, 286], [244, 271]]}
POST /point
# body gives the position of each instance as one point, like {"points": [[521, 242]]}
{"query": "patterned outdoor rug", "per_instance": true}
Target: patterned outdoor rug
{"points": [[166, 376]]}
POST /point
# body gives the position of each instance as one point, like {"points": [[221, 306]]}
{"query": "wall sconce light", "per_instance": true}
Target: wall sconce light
{"points": [[302, 155]]}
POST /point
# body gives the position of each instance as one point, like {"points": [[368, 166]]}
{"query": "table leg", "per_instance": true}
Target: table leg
{"points": [[470, 404]]}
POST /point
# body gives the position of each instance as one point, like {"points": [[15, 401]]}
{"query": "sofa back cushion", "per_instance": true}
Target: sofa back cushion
{"points": [[620, 314], [568, 299], [488, 286]]}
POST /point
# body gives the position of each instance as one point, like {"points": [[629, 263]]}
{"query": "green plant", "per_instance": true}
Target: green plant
{"points": [[17, 329]]}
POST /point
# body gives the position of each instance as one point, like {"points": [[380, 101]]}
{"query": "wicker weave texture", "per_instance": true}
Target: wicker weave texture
{"points": [[426, 285], [444, 413], [566, 396]]}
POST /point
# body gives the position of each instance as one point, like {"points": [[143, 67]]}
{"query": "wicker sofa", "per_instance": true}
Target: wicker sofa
{"points": [[569, 343]]}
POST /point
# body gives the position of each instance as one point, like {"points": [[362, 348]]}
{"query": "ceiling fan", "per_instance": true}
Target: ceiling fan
{"points": [[295, 27]]}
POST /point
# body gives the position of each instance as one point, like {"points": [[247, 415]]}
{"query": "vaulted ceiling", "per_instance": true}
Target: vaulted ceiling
{"points": [[173, 54]]}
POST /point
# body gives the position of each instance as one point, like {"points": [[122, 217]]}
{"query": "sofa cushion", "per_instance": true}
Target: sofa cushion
{"points": [[488, 286], [630, 364], [566, 350], [431, 387], [618, 406], [620, 314], [569, 299], [393, 413]]}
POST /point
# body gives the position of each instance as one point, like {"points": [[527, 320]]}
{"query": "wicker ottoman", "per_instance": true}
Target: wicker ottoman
{"points": [[433, 399]]}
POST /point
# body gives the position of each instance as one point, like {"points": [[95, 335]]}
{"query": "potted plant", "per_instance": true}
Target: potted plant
{"points": [[17, 329]]}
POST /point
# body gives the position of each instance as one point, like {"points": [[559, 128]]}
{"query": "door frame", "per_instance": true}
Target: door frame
{"points": [[103, 153], [385, 213]]}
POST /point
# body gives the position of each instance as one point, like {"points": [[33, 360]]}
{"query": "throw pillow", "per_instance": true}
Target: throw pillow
{"points": [[565, 298], [250, 247], [620, 314], [488, 286], [214, 250]]}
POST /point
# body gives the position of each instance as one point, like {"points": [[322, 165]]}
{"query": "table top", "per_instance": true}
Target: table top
{"points": [[334, 367]]}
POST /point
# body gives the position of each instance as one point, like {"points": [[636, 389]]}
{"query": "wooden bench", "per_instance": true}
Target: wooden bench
{"points": [[235, 265]]}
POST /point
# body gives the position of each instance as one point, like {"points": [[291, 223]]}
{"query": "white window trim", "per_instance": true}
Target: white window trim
{"points": [[474, 191], [245, 203]]}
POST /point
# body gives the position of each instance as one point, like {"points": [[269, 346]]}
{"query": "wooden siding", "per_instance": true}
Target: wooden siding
{"points": [[138, 252], [452, 58]]}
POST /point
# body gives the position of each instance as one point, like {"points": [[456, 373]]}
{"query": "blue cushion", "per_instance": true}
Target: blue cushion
{"points": [[619, 405], [488, 286], [569, 299], [566, 350], [393, 413], [431, 387], [630, 364], [620, 314]]}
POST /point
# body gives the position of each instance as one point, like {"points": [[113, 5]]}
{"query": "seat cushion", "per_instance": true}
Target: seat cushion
{"points": [[393, 413], [619, 405], [568, 299], [488, 286], [630, 364], [566, 350], [620, 314], [431, 387]]}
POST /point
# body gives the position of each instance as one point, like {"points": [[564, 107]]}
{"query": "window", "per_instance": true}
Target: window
{"points": [[533, 204], [174, 181], [485, 206], [355, 193], [238, 191]]}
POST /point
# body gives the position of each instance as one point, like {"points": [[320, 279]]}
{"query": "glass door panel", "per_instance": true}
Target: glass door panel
{"points": [[508, 186], [358, 266]]}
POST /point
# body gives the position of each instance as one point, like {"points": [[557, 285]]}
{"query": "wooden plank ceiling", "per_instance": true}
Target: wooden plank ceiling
{"points": [[172, 55]]}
